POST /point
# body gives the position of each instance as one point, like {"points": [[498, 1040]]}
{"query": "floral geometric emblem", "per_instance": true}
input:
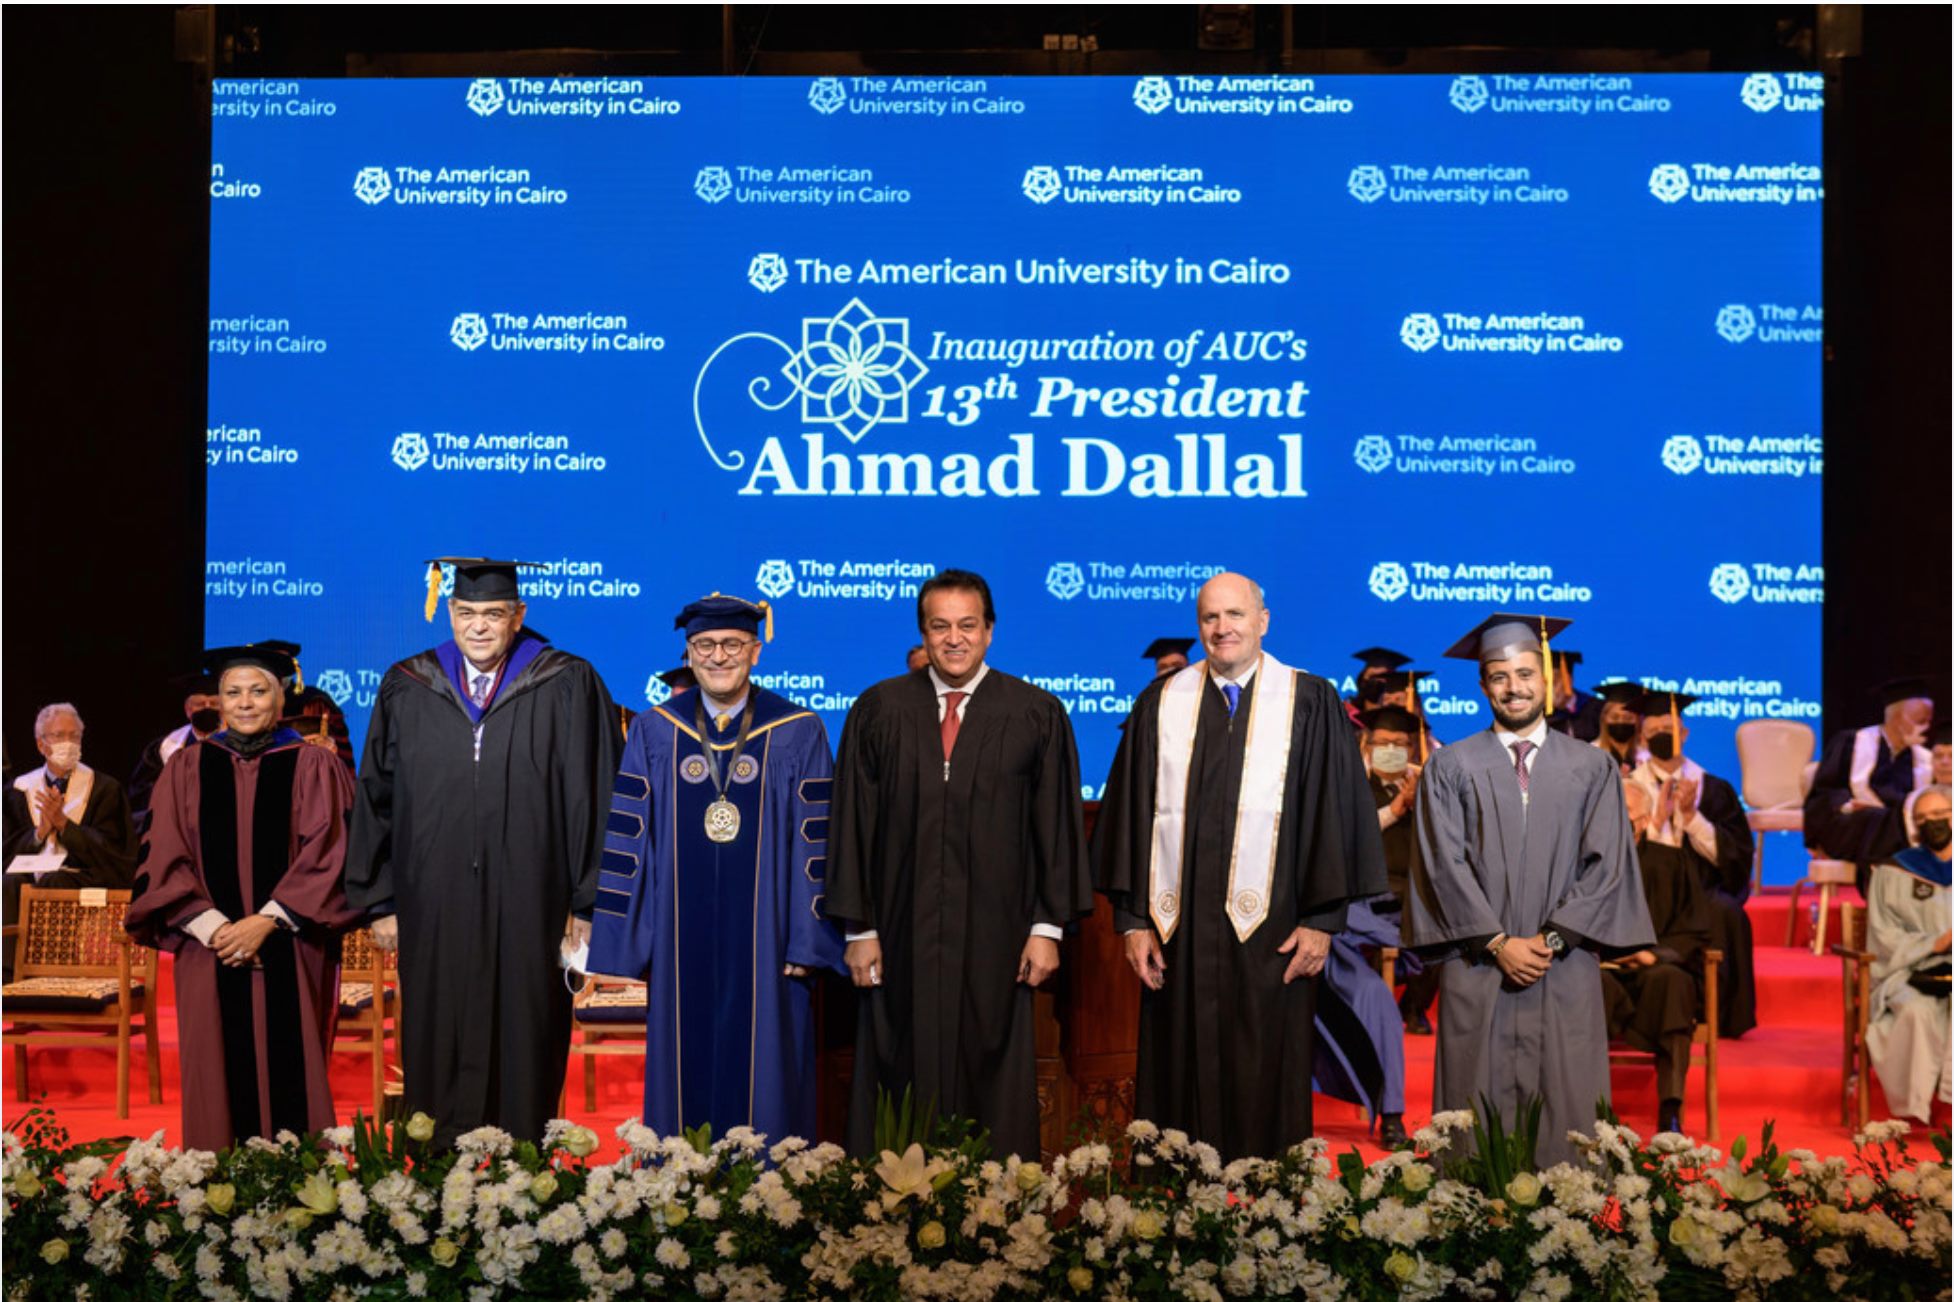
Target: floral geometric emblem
{"points": [[1682, 454], [1042, 184], [854, 370], [827, 94], [410, 451], [1065, 580], [767, 272], [1389, 581], [485, 95], [1761, 92], [1669, 182], [1419, 332], [1153, 94], [1736, 322], [469, 331], [775, 579], [1372, 453], [1469, 93], [1367, 184], [657, 690], [1730, 582], [712, 184], [336, 683], [373, 184]]}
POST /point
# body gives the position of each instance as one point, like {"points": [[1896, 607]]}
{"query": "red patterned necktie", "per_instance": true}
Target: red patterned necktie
{"points": [[1521, 749], [951, 700]]}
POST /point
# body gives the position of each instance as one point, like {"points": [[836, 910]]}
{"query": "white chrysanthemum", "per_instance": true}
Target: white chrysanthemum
{"points": [[671, 1254]]}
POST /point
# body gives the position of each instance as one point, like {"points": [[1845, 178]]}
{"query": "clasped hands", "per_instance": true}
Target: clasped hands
{"points": [[237, 943], [1307, 947], [1524, 959]]}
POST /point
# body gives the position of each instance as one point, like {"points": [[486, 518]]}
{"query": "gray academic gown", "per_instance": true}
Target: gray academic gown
{"points": [[1491, 864]]}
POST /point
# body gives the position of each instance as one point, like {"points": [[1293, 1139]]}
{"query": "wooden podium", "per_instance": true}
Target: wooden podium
{"points": [[1087, 1026]]}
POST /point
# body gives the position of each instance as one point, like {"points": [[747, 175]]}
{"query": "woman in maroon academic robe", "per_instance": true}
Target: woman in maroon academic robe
{"points": [[242, 883]]}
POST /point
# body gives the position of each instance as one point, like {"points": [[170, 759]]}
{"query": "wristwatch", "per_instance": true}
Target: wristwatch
{"points": [[1554, 940]]}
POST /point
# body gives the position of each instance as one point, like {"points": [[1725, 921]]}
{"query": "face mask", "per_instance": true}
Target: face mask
{"points": [[64, 754], [1389, 759], [1935, 833], [206, 721], [1663, 745], [1621, 732]]}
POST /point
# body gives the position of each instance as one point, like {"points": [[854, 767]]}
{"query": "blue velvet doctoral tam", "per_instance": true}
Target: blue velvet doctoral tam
{"points": [[709, 927]]}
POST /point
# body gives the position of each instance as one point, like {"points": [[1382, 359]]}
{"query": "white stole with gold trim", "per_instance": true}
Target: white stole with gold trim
{"points": [[1258, 810]]}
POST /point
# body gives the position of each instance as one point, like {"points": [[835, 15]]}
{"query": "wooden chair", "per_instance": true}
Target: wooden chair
{"points": [[1772, 755], [1856, 980], [1827, 875], [610, 1014], [80, 980], [1704, 1037], [369, 1006]]}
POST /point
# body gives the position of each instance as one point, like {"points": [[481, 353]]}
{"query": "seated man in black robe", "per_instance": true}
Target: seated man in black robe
{"points": [[1855, 808], [1653, 995], [1621, 726], [1699, 816]]}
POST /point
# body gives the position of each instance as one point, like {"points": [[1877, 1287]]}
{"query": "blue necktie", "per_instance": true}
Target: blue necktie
{"points": [[1233, 692]]}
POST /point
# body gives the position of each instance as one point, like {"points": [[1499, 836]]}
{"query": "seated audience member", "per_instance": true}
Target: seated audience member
{"points": [[1387, 747], [1377, 660], [201, 719], [1653, 995], [1575, 712], [1698, 815], [1359, 1050], [1855, 809], [1621, 726], [1907, 928], [68, 807]]}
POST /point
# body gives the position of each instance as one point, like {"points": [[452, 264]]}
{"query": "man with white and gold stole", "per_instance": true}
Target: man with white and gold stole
{"points": [[1236, 827]]}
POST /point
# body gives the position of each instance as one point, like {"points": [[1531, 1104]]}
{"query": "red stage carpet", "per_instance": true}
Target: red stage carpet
{"points": [[1788, 1069]]}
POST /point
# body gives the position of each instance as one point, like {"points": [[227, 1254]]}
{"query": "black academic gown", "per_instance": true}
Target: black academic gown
{"points": [[1864, 836], [1725, 883], [483, 861], [1401, 859], [1579, 717], [1654, 1009], [101, 846], [1225, 1046], [951, 873]]}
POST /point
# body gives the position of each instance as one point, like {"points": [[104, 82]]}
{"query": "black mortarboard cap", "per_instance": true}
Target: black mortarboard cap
{"points": [[1501, 637], [277, 663], [477, 578], [1655, 702], [1397, 680], [718, 611], [1381, 657], [1568, 658], [681, 679], [291, 649], [1937, 735], [1905, 689], [1167, 646], [1621, 692], [1394, 717], [194, 684]]}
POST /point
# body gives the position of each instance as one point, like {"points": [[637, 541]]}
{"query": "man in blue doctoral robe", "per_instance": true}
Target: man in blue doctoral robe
{"points": [[712, 883]]}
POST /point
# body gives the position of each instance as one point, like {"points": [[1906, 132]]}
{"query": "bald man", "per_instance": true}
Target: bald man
{"points": [[1236, 828]]}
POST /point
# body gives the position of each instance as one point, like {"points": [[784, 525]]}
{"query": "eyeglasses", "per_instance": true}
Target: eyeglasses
{"points": [[708, 648]]}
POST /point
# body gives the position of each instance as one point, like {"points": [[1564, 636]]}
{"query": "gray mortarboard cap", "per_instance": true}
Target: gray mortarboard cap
{"points": [[1167, 646], [1381, 657], [1501, 637]]}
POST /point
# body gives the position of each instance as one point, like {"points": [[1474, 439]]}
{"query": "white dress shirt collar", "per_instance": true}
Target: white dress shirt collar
{"points": [[942, 687], [1537, 734], [1243, 679]]}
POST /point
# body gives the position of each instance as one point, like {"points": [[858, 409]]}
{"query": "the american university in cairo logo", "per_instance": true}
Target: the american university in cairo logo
{"points": [[336, 683], [485, 96], [827, 94], [775, 579], [1761, 92], [657, 690], [1469, 93], [1065, 580], [1153, 94], [469, 331], [712, 183], [1736, 322], [1419, 332], [767, 272], [410, 450], [852, 372], [1669, 182], [1682, 454], [1730, 582], [1372, 453], [1042, 184], [1367, 183], [1389, 581], [373, 185]]}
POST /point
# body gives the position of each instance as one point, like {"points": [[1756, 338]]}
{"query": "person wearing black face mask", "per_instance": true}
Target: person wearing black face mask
{"points": [[1698, 814], [201, 720], [1621, 725], [1907, 915]]}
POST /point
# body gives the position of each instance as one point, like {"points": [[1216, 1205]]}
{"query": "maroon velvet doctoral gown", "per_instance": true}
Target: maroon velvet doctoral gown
{"points": [[234, 834]]}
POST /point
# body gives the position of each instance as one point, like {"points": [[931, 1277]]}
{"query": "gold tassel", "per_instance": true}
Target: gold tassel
{"points": [[433, 589], [1418, 720], [1547, 655], [766, 608], [298, 677]]}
